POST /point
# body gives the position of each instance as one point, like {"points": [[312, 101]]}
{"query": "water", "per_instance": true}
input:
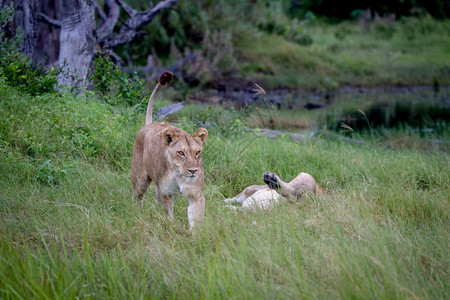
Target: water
{"points": [[425, 108]]}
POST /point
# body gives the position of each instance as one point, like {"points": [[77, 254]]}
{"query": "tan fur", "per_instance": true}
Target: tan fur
{"points": [[172, 158], [299, 185], [260, 195]]}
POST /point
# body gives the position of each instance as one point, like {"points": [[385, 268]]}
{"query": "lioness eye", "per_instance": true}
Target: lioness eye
{"points": [[181, 153], [198, 153]]}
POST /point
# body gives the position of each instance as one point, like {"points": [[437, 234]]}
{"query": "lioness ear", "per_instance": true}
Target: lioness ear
{"points": [[169, 135], [202, 134]]}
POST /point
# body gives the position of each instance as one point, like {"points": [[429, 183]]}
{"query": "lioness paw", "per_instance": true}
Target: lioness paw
{"points": [[271, 179]]}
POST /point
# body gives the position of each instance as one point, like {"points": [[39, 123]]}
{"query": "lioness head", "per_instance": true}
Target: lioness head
{"points": [[184, 151]]}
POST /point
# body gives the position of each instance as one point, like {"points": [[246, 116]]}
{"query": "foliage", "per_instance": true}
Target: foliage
{"points": [[292, 30], [347, 9], [19, 70], [116, 86], [219, 42], [9, 43], [272, 44], [215, 61]]}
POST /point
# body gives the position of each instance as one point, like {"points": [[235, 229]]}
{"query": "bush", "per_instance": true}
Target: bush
{"points": [[347, 9], [21, 72], [116, 87], [17, 69]]}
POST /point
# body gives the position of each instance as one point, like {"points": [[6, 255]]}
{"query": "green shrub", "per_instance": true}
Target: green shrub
{"points": [[116, 87], [17, 69], [21, 72]]}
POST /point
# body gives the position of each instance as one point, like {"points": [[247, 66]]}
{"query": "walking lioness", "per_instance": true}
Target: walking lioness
{"points": [[172, 158]]}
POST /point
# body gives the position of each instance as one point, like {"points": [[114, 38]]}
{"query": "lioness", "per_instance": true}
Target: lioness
{"points": [[266, 196], [172, 158]]}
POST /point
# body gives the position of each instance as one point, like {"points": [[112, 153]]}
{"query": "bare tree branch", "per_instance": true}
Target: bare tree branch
{"points": [[129, 30], [100, 12], [116, 57], [46, 19], [107, 26], [130, 11]]}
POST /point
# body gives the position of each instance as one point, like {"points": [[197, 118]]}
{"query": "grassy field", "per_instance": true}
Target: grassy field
{"points": [[379, 53], [69, 229]]}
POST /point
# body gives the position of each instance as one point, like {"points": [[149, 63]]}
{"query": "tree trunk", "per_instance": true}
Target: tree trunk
{"points": [[47, 44], [77, 41], [77, 38], [25, 18]]}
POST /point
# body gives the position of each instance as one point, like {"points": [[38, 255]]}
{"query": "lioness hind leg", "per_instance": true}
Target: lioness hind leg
{"points": [[140, 185], [247, 192]]}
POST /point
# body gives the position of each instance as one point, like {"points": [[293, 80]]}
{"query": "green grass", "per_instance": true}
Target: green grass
{"points": [[69, 228], [412, 51]]}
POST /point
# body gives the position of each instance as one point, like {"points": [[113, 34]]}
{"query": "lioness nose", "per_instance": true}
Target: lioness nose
{"points": [[193, 171]]}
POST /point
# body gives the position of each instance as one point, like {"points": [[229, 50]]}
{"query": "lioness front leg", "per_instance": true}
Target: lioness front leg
{"points": [[196, 208], [196, 211], [166, 201]]}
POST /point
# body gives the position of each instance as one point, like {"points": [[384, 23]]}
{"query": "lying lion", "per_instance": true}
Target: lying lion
{"points": [[172, 158], [266, 196]]}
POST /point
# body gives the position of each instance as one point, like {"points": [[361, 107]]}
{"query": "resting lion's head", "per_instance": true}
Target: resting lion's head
{"points": [[184, 151]]}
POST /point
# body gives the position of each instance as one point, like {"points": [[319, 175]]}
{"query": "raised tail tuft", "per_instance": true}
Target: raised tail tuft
{"points": [[165, 79]]}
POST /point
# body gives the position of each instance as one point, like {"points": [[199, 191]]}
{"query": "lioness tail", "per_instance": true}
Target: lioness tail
{"points": [[164, 79]]}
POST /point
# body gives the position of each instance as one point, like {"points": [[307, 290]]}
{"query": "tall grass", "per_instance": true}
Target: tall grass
{"points": [[380, 232]]}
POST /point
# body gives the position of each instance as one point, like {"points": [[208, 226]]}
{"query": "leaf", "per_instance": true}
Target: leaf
{"points": [[44, 164]]}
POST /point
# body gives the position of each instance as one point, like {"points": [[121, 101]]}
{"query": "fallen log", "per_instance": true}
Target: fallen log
{"points": [[168, 110]]}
